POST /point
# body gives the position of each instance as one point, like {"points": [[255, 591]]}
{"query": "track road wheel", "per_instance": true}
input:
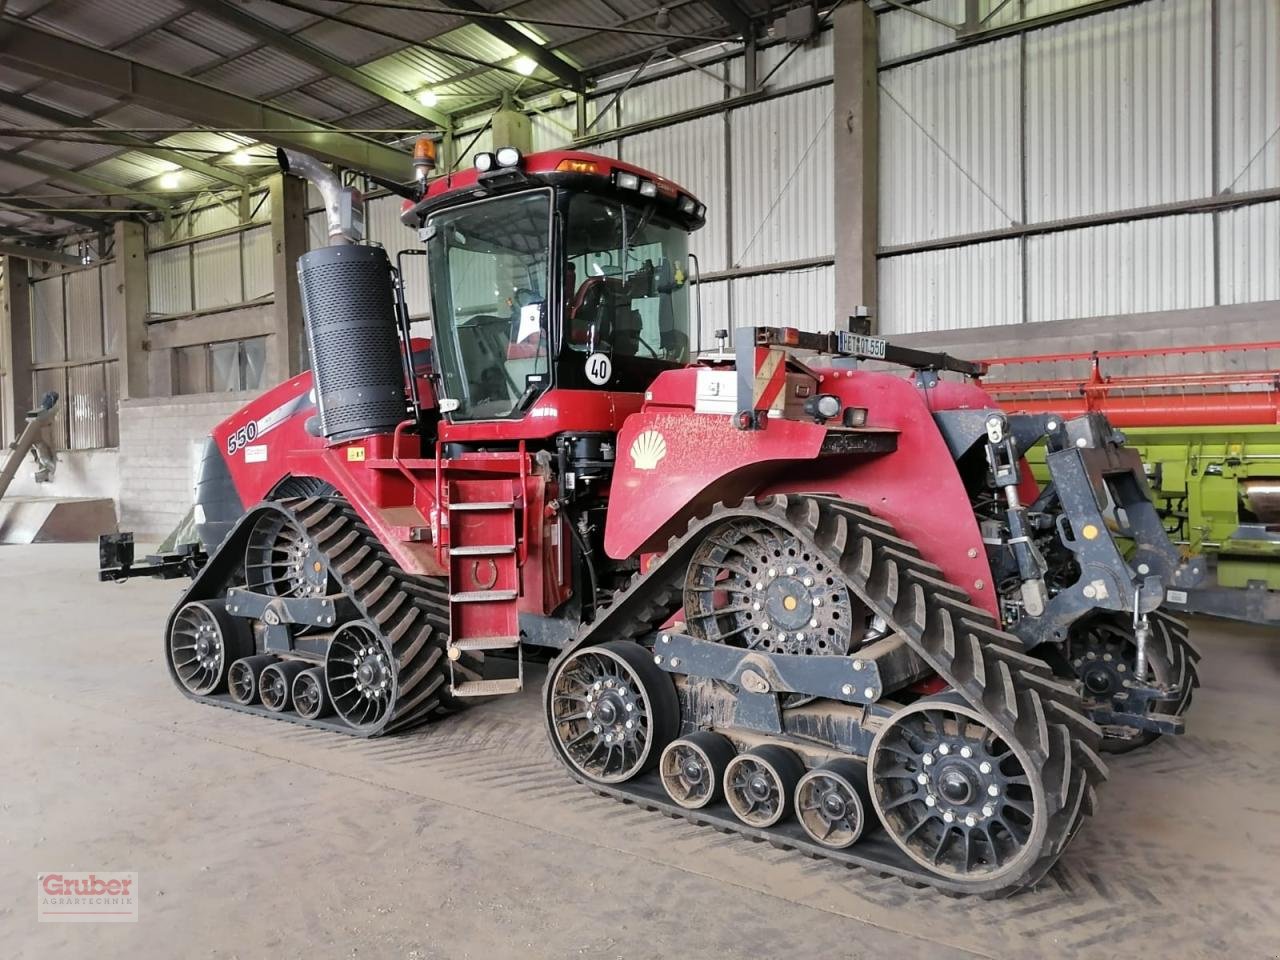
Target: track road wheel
{"points": [[310, 697], [612, 710], [832, 801], [204, 641], [1103, 651], [761, 783], [275, 684], [242, 678], [692, 768], [956, 798]]}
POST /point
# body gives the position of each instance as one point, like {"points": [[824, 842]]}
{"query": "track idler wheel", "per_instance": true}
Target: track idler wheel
{"points": [[612, 710], [956, 798], [761, 783], [360, 675], [832, 802], [310, 697], [1103, 652], [242, 678], [275, 684], [692, 768], [204, 640]]}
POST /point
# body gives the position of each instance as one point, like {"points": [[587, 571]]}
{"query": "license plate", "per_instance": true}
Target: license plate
{"points": [[862, 345]]}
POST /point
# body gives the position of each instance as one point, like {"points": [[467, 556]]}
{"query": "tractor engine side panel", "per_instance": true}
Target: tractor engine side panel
{"points": [[254, 442], [674, 463]]}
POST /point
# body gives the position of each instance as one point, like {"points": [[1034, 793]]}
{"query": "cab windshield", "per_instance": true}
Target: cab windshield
{"points": [[626, 282], [488, 265]]}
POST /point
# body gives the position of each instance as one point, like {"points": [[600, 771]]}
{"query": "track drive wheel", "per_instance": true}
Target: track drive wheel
{"points": [[612, 710], [1103, 651], [955, 797], [359, 675]]}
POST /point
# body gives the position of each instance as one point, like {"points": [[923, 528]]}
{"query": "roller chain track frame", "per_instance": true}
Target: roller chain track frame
{"points": [[410, 614], [1016, 694]]}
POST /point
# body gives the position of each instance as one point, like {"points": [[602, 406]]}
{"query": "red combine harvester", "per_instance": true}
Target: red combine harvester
{"points": [[779, 593]]}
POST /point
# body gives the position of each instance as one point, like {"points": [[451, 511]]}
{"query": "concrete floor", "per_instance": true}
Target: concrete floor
{"points": [[464, 840]]}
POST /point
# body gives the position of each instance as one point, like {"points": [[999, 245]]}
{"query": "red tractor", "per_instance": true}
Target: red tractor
{"points": [[781, 587]]}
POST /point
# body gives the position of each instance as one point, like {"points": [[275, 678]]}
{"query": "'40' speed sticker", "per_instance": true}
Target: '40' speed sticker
{"points": [[599, 369]]}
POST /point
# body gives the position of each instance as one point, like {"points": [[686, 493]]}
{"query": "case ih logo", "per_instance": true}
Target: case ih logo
{"points": [[87, 897]]}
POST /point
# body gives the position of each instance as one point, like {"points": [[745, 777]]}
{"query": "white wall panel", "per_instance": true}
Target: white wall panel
{"points": [[217, 272], [259, 270], [1118, 110], [971, 286], [1249, 240], [949, 145], [662, 98], [782, 173], [548, 128], [1248, 95], [711, 307], [84, 314], [797, 298], [811, 61], [691, 154], [904, 32], [169, 277], [48, 337], [1136, 267], [113, 306], [382, 224]]}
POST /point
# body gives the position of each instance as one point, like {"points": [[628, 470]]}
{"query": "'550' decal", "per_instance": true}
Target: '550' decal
{"points": [[241, 437]]}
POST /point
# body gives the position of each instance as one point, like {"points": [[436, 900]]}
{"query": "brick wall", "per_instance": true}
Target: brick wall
{"points": [[159, 441]]}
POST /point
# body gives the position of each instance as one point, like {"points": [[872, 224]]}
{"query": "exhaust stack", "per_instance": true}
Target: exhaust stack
{"points": [[343, 206]]}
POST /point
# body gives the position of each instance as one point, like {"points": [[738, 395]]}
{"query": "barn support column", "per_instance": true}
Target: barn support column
{"points": [[857, 159], [288, 349], [15, 344]]}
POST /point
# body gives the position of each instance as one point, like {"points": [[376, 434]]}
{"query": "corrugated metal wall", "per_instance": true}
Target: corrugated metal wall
{"points": [[69, 323], [1092, 117]]}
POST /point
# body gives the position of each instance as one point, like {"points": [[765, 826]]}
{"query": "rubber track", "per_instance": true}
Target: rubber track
{"points": [[411, 614], [963, 644]]}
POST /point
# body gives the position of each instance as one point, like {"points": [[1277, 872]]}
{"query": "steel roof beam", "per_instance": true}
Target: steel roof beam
{"points": [[300, 49], [53, 171], [552, 62], [27, 252], [121, 139], [78, 64], [35, 209]]}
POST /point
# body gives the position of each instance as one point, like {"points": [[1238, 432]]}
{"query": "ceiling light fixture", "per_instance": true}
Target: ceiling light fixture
{"points": [[428, 98], [169, 181], [525, 66], [241, 158], [662, 19]]}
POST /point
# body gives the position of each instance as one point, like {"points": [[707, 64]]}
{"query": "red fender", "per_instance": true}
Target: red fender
{"points": [[704, 458]]}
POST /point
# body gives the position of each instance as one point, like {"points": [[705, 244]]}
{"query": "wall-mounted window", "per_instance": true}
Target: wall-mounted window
{"points": [[232, 366], [74, 348]]}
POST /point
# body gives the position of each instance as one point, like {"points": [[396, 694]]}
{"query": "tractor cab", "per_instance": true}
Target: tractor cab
{"points": [[557, 271]]}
